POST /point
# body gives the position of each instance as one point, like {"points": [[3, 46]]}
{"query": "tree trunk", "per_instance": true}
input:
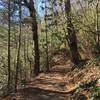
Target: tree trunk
{"points": [[35, 38], [97, 29], [19, 47], [9, 56], [46, 31], [72, 39], [30, 6]]}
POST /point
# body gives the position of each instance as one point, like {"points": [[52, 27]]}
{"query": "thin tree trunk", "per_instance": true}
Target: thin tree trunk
{"points": [[25, 48], [19, 47], [97, 28], [47, 56], [27, 53], [9, 55]]}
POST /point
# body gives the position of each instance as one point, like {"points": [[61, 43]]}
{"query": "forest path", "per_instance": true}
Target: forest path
{"points": [[47, 86], [58, 84], [56, 80]]}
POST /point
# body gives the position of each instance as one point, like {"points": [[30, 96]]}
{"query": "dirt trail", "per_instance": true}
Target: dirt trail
{"points": [[59, 84], [45, 87]]}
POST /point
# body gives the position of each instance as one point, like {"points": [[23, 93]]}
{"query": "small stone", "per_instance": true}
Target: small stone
{"points": [[51, 94]]}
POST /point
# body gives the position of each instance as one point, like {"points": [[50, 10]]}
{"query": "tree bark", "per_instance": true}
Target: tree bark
{"points": [[46, 32], [19, 47], [72, 39], [9, 55], [35, 38], [97, 29], [30, 6]]}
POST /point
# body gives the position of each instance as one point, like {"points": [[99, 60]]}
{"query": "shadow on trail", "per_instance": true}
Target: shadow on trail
{"points": [[31, 93]]}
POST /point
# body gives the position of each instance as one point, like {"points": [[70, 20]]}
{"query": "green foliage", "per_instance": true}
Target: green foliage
{"points": [[84, 23], [95, 95]]}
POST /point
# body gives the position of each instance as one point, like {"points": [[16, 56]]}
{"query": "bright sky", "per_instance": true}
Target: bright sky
{"points": [[39, 9], [38, 5], [25, 11]]}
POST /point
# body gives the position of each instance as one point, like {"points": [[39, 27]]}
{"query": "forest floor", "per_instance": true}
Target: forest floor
{"points": [[61, 83]]}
